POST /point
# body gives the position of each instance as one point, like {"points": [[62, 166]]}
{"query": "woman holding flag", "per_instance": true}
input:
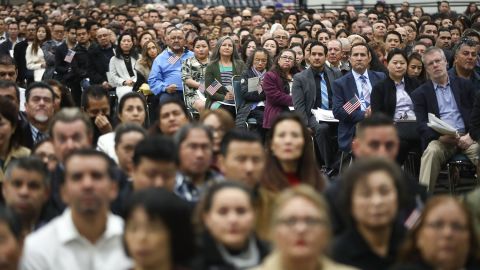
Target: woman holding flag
{"points": [[193, 74], [224, 64]]}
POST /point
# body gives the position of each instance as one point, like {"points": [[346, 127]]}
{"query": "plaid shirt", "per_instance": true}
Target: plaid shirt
{"points": [[187, 190]]}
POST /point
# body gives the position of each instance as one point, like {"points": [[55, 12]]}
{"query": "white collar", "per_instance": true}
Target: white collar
{"points": [[357, 75], [68, 232]]}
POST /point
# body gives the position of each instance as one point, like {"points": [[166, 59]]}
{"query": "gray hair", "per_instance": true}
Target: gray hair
{"points": [[431, 50], [31, 164], [216, 51]]}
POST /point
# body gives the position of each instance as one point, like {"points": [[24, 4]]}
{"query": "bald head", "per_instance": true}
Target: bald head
{"points": [[103, 37]]}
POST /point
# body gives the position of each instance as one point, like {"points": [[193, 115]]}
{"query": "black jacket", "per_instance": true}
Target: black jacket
{"points": [[475, 119], [62, 68], [80, 63], [249, 98], [19, 53], [351, 248], [5, 47], [99, 59], [209, 257], [384, 95]]}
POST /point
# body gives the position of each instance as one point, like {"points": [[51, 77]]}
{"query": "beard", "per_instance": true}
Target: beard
{"points": [[42, 118]]}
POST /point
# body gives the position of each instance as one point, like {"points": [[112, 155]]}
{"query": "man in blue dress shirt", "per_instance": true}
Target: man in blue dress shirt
{"points": [[450, 98], [165, 79]]}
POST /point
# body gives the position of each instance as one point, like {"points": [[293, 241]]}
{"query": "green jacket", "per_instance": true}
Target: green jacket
{"points": [[212, 73]]}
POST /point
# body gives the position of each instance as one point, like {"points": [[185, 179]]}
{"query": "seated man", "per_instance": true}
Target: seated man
{"points": [[312, 89], [450, 98]]}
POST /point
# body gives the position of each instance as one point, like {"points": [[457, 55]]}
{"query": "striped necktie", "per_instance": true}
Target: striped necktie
{"points": [[324, 91], [365, 91]]}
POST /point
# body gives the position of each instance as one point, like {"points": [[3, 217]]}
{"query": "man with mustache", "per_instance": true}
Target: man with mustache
{"points": [[166, 76], [465, 53], [39, 110]]}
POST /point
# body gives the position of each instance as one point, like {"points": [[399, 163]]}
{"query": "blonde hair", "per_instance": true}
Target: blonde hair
{"points": [[303, 191]]}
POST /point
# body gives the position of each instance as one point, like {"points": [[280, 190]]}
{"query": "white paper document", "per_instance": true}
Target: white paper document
{"points": [[324, 115], [440, 126], [253, 84]]}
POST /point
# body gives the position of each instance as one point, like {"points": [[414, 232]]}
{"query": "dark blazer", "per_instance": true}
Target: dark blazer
{"points": [[384, 95], [5, 47], [99, 63], [27, 139], [249, 99], [212, 73], [19, 53], [62, 69], [475, 119], [425, 101], [304, 91], [277, 96], [344, 89]]}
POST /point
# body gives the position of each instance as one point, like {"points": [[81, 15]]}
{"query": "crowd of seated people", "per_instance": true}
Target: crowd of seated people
{"points": [[237, 136]]}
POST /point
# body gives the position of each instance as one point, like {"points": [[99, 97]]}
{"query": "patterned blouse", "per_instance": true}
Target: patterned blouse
{"points": [[192, 69]]}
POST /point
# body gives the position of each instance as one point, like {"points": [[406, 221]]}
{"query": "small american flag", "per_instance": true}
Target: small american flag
{"points": [[352, 105], [173, 59], [415, 215], [69, 57], [213, 88], [413, 218]]}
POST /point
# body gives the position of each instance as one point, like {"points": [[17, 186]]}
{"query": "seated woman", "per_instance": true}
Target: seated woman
{"points": [[172, 115], [132, 108], [193, 75], [373, 193], [301, 232], [220, 121], [158, 232], [290, 157], [224, 64], [143, 67], [430, 245], [10, 136], [122, 66], [415, 68], [44, 150], [228, 220], [12, 239], [277, 85], [392, 97], [254, 99]]}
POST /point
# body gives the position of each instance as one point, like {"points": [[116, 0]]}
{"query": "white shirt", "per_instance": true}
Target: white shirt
{"points": [[58, 246], [106, 144], [358, 83]]}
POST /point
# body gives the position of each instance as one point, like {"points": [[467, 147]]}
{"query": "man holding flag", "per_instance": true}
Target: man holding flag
{"points": [[166, 76], [351, 94]]}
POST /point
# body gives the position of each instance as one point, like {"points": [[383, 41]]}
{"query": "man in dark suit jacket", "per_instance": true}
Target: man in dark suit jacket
{"points": [[450, 98], [312, 89], [359, 82]]}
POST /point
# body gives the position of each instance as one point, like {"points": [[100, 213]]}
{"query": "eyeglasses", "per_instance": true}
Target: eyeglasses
{"points": [[260, 60], [440, 225], [287, 58], [281, 37], [309, 222], [247, 17]]}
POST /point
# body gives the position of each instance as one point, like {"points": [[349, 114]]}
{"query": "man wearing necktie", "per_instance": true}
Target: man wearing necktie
{"points": [[450, 98], [312, 89], [357, 83]]}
